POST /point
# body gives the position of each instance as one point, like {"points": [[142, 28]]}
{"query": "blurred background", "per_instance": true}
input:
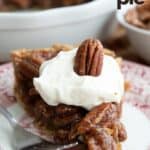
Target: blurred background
{"points": [[41, 23]]}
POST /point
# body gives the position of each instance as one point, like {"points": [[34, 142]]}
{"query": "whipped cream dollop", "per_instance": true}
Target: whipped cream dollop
{"points": [[58, 83]]}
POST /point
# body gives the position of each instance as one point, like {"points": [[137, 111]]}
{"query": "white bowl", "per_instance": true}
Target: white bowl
{"points": [[67, 24], [139, 38]]}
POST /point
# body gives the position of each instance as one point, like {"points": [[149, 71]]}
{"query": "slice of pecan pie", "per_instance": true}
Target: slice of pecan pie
{"points": [[98, 127]]}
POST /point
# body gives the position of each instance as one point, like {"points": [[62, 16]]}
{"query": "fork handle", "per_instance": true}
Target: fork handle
{"points": [[8, 116]]}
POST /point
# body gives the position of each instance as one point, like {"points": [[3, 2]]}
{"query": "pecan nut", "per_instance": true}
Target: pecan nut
{"points": [[99, 116], [89, 58]]}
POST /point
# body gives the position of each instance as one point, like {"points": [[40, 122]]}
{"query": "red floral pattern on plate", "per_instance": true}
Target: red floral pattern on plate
{"points": [[6, 85], [139, 94]]}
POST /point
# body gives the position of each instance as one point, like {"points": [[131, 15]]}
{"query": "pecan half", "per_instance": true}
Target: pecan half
{"points": [[99, 116], [89, 58]]}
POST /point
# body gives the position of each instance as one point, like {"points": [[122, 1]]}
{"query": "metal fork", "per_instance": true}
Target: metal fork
{"points": [[23, 140], [22, 137]]}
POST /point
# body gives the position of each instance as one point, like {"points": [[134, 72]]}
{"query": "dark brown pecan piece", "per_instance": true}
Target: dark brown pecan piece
{"points": [[89, 58]]}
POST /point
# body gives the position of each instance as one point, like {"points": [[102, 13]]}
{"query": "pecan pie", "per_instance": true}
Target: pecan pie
{"points": [[99, 128]]}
